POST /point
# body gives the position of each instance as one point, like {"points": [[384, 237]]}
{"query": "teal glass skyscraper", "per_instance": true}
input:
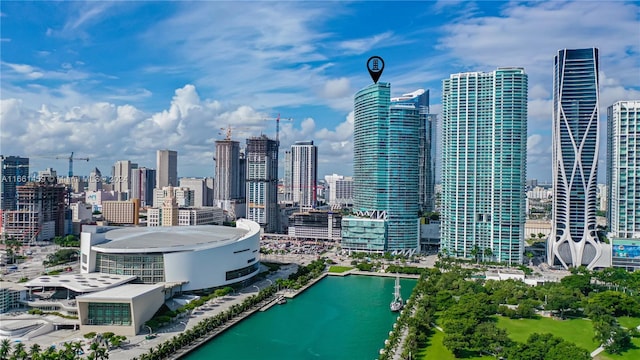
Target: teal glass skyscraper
{"points": [[574, 241], [386, 157], [484, 143]]}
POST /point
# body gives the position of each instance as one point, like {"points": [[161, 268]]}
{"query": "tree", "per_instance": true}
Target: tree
{"points": [[541, 236], [488, 253], [475, 252], [34, 351], [19, 351], [5, 348]]}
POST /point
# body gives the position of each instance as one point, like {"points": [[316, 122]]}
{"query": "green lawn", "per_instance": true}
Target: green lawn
{"points": [[339, 269], [628, 322], [577, 331], [631, 354], [436, 351]]}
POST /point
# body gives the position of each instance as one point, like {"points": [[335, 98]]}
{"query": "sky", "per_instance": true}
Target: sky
{"points": [[119, 80]]}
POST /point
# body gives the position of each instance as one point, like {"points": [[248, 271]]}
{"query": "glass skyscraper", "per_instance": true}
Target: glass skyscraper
{"points": [[386, 173], [573, 240], [484, 143]]}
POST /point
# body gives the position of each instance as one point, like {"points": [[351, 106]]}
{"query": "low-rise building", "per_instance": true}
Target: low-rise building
{"points": [[316, 225], [121, 212], [11, 296], [188, 217]]}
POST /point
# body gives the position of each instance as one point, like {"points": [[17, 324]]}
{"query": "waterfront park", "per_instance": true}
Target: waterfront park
{"points": [[451, 312]]}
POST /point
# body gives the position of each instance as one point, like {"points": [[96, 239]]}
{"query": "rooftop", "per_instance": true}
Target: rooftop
{"points": [[81, 283], [170, 237], [124, 292]]}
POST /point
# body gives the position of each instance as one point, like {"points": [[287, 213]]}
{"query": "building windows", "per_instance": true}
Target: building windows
{"points": [[234, 274], [118, 314]]}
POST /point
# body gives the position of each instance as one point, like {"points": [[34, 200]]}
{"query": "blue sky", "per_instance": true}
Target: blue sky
{"points": [[118, 80]]}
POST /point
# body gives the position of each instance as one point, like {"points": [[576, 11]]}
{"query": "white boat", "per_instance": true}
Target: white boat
{"points": [[397, 304]]}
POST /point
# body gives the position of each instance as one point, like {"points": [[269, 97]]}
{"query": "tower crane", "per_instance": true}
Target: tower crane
{"points": [[229, 129], [71, 162], [278, 119]]}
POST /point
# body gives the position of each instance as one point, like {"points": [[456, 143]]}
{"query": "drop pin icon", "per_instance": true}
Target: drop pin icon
{"points": [[375, 65]]}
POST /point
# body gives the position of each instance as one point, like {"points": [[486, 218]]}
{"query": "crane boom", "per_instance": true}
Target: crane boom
{"points": [[71, 162], [278, 119]]}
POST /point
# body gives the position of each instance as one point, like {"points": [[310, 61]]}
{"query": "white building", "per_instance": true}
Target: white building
{"points": [[188, 217], [166, 168], [95, 198], [304, 174], [199, 257], [81, 211], [340, 189], [200, 190], [122, 178], [184, 196]]}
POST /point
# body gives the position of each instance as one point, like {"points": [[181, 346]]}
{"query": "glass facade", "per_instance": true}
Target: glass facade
{"points": [[623, 169], [574, 241], [109, 314], [386, 171], [149, 268], [238, 273], [484, 144]]}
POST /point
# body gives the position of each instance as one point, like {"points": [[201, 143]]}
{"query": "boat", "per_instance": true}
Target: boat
{"points": [[282, 301], [397, 304]]}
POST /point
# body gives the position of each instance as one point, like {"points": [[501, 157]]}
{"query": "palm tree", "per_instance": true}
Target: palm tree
{"points": [[488, 252], [5, 348], [475, 252], [34, 351], [19, 351]]}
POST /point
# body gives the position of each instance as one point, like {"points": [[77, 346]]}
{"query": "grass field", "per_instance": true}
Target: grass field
{"points": [[577, 331], [631, 354], [339, 269], [436, 351], [628, 322]]}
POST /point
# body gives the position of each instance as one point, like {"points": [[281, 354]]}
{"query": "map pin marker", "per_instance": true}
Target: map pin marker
{"points": [[375, 65]]}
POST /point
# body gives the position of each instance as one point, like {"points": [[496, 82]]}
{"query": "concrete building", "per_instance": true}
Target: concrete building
{"points": [[143, 182], [229, 182], [287, 188], [81, 211], [484, 157], [166, 168], [95, 180], [316, 225], [12, 296], [48, 176], [574, 239], [184, 196], [386, 145], [40, 213], [121, 212], [304, 174], [340, 190], [122, 310], [198, 257], [262, 183], [14, 172], [188, 217], [121, 179], [95, 198], [199, 188], [532, 228]]}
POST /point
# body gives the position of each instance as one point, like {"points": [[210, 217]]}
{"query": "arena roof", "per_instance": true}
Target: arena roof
{"points": [[81, 283], [169, 238], [124, 292]]}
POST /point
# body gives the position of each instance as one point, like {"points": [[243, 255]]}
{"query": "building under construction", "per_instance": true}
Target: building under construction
{"points": [[229, 186], [39, 215]]}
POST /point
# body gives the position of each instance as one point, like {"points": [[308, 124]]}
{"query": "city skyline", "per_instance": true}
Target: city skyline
{"points": [[61, 92]]}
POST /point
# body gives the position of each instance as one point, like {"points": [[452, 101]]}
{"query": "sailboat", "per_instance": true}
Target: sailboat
{"points": [[397, 303]]}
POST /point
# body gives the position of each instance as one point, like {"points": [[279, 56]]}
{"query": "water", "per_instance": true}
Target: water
{"points": [[337, 318]]}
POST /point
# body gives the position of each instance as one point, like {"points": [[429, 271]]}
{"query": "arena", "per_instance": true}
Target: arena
{"points": [[194, 257]]}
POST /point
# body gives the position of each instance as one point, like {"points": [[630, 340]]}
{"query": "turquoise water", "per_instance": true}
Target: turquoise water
{"points": [[337, 318]]}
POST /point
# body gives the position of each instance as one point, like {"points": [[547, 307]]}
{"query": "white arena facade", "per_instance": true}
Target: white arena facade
{"points": [[196, 257]]}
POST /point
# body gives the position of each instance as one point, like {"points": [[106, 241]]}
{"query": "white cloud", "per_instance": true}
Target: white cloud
{"points": [[337, 88], [361, 46]]}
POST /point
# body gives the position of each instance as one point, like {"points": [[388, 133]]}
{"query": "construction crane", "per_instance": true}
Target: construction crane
{"points": [[229, 129], [71, 162], [278, 119]]}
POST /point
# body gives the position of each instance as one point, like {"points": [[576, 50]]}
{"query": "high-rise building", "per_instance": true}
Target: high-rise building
{"points": [[166, 168], [386, 145], [228, 185], [262, 183], [574, 239], [199, 187], [304, 174], [426, 166], [340, 190], [287, 197], [14, 172], [484, 156], [122, 178], [623, 180], [143, 182], [95, 180]]}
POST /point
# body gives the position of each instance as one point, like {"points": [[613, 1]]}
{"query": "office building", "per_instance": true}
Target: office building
{"points": [[623, 178], [121, 212], [340, 190], [386, 145], [48, 176], [183, 195], [262, 183], [166, 168], [187, 216], [40, 213], [199, 188], [304, 174], [315, 225], [95, 180], [122, 178], [287, 196], [574, 239], [143, 182], [484, 156], [14, 172]]}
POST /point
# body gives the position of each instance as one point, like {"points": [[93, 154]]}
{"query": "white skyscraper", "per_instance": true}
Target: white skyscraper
{"points": [[340, 190], [122, 178], [304, 174], [166, 168]]}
